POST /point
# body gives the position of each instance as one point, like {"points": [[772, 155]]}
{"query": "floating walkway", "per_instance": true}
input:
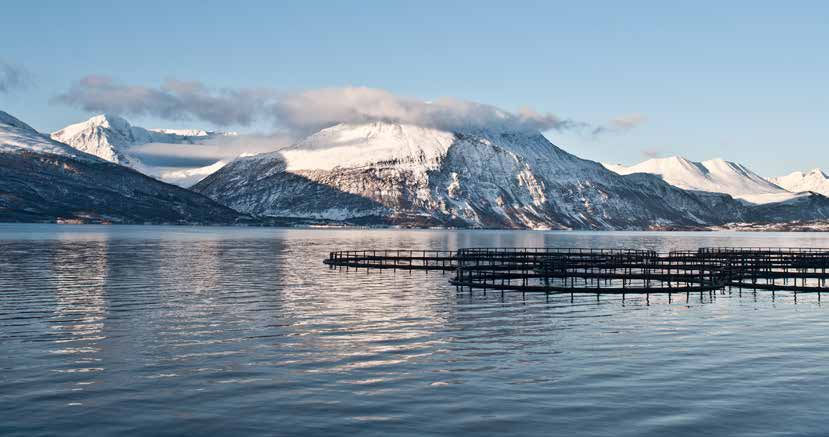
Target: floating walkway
{"points": [[603, 271]]}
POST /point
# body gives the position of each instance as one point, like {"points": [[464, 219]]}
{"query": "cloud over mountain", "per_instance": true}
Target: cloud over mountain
{"points": [[304, 112], [211, 150], [174, 100], [312, 110]]}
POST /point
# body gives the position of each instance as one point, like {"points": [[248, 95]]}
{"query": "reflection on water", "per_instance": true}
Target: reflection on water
{"points": [[171, 330], [77, 322]]}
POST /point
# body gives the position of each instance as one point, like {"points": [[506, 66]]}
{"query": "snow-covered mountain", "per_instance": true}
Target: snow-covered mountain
{"points": [[381, 173], [18, 137], [815, 180], [114, 139], [45, 180], [405, 174], [716, 176]]}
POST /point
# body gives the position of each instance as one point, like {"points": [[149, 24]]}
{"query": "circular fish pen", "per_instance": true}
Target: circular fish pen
{"points": [[567, 270], [619, 271], [791, 268]]}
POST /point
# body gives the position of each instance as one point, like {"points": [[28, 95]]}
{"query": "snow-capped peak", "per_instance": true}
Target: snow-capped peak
{"points": [[110, 137], [113, 138], [356, 145], [359, 145], [813, 173], [814, 180], [109, 120], [476, 176], [105, 136], [714, 175], [102, 121], [17, 136]]}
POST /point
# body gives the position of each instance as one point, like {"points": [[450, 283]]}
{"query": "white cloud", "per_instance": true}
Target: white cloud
{"points": [[174, 100], [301, 113], [215, 149], [312, 110]]}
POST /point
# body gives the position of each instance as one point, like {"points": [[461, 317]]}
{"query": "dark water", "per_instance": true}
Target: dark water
{"points": [[168, 330]]}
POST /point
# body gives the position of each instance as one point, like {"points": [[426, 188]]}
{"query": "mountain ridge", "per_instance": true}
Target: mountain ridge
{"points": [[42, 180], [815, 180], [113, 138], [713, 175], [411, 174]]}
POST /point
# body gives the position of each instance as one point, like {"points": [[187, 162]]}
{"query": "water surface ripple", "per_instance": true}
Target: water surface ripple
{"points": [[172, 330]]}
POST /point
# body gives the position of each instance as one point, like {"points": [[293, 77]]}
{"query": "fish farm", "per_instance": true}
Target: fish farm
{"points": [[613, 271]]}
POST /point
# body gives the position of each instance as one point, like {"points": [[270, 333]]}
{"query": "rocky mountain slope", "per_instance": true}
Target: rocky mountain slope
{"points": [[404, 174], [815, 180], [114, 139], [45, 180]]}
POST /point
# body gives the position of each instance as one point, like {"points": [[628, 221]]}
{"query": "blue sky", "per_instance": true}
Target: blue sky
{"points": [[745, 81]]}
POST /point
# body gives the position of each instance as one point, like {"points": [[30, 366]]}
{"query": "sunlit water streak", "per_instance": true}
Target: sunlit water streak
{"points": [[171, 330]]}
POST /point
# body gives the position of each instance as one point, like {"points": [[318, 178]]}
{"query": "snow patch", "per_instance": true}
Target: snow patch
{"points": [[188, 177]]}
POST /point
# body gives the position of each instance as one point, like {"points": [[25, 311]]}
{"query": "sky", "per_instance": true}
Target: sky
{"points": [[610, 81]]}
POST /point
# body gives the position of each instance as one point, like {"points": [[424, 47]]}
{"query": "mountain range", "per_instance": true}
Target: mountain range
{"points": [[43, 180], [814, 180], [114, 139], [716, 176], [384, 173], [402, 174]]}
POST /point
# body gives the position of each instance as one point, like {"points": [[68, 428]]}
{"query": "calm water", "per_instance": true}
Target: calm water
{"points": [[171, 330]]}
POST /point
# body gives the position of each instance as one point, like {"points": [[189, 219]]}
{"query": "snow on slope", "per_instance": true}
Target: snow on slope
{"points": [[615, 168], [359, 145], [16, 136], [409, 174], [113, 138], [815, 180], [188, 177], [716, 176]]}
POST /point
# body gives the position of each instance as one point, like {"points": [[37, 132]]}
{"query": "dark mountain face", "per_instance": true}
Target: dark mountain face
{"points": [[38, 187], [808, 207]]}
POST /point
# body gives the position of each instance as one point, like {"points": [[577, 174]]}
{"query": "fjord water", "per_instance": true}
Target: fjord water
{"points": [[152, 330]]}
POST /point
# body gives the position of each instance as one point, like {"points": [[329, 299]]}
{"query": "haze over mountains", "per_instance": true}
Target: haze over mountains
{"points": [[386, 173]]}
